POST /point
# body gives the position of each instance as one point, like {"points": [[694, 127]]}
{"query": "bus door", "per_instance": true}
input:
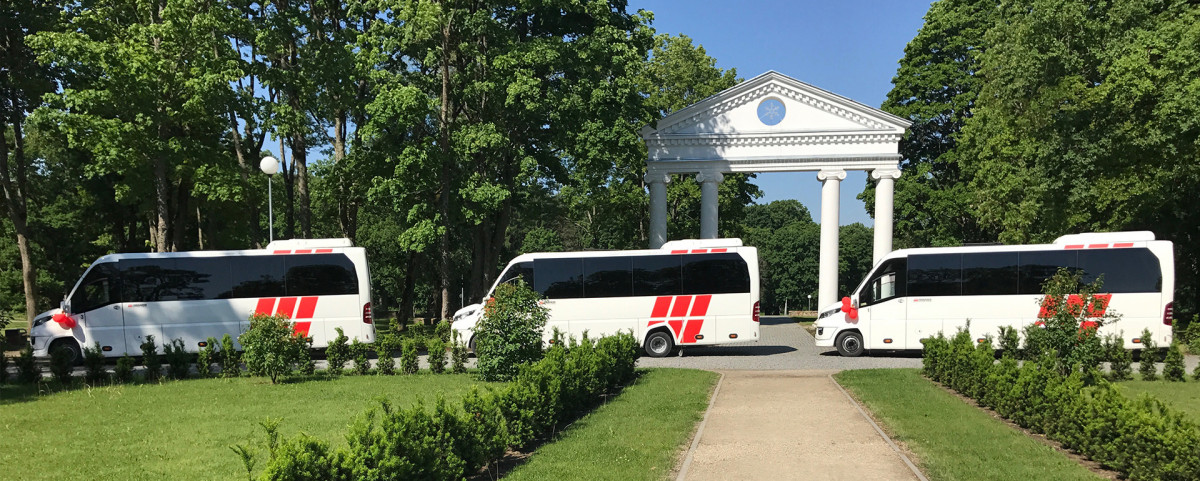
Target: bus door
{"points": [[882, 310], [98, 304]]}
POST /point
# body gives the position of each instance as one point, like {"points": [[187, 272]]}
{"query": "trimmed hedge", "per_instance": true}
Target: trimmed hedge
{"points": [[456, 441], [1142, 439]]}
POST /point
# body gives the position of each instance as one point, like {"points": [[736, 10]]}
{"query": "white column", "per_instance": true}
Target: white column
{"points": [[885, 192], [708, 203], [658, 208], [827, 280]]}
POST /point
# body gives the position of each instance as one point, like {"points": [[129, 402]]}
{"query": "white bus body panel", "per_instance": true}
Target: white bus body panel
{"points": [[908, 320], [123, 327]]}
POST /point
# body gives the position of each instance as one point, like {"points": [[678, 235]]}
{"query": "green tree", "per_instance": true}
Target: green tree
{"points": [[788, 243]]}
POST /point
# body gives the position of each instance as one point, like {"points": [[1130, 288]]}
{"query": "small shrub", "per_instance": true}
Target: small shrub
{"points": [[150, 358], [61, 365], [93, 363], [442, 331], [304, 360], [1010, 341], [458, 355], [385, 347], [1035, 343], [1120, 360], [1173, 369], [408, 357], [337, 353], [510, 333], [123, 373], [1147, 368], [1193, 335], [179, 362], [271, 347], [206, 357], [27, 371], [436, 348], [231, 359], [362, 357]]}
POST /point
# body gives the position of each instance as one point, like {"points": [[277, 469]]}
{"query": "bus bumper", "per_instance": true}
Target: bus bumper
{"points": [[824, 336]]}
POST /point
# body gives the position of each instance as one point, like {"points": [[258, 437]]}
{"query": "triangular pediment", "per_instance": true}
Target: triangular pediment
{"points": [[774, 104]]}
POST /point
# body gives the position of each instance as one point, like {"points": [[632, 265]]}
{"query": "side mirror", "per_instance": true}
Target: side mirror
{"points": [[65, 305], [854, 301]]}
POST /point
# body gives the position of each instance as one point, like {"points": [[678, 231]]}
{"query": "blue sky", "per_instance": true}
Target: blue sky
{"points": [[849, 47]]}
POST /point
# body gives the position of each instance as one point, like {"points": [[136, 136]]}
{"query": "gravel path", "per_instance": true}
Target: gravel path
{"points": [[783, 344]]}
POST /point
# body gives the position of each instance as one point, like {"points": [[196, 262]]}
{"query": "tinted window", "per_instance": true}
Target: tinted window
{"points": [[258, 276], [657, 275], [935, 275], [1124, 270], [176, 279], [887, 282], [522, 270], [558, 278], [1037, 266], [607, 276], [320, 275], [99, 288], [715, 274], [989, 274]]}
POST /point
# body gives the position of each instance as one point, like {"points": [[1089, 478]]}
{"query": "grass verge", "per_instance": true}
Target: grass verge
{"points": [[953, 440], [183, 429], [637, 435], [1184, 396]]}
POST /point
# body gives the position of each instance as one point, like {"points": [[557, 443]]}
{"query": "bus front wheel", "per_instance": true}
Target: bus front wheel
{"points": [[72, 348], [849, 344], [659, 344]]}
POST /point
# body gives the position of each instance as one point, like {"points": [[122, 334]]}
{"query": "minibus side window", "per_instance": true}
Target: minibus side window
{"points": [[520, 270], [886, 283], [98, 289]]}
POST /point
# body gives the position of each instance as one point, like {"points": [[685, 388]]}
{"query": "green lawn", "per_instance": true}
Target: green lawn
{"points": [[183, 429], [1184, 396], [638, 435], [951, 439]]}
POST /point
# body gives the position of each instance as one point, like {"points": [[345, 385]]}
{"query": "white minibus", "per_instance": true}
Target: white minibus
{"points": [[687, 293], [913, 294], [320, 284]]}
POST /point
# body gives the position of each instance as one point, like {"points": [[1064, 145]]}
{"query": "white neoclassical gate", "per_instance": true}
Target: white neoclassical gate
{"points": [[774, 123]]}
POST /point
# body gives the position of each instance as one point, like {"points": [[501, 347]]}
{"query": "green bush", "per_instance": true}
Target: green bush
{"points": [[436, 348], [61, 365], [231, 359], [337, 353], [458, 355], [509, 334], [442, 330], [362, 357], [1173, 369], [93, 364], [1193, 335], [179, 362], [1010, 341], [150, 358], [1119, 359], [304, 359], [1149, 354], [271, 347], [454, 442], [1035, 342], [408, 356], [123, 373], [386, 346], [27, 371], [206, 357]]}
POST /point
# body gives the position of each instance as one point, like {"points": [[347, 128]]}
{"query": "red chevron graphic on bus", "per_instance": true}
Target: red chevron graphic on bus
{"points": [[287, 306], [678, 307]]}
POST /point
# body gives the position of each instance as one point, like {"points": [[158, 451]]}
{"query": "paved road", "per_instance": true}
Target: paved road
{"points": [[783, 344]]}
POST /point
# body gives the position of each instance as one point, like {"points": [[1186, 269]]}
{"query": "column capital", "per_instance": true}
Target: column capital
{"points": [[710, 176], [657, 178], [831, 174], [885, 173]]}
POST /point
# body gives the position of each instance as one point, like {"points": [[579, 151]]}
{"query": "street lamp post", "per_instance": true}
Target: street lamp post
{"points": [[270, 166], [810, 302]]}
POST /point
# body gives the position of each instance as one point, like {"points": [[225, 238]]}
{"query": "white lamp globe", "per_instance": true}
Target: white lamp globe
{"points": [[269, 165]]}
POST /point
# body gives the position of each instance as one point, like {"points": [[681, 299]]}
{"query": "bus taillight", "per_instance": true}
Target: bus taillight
{"points": [[754, 315], [367, 313], [1169, 313]]}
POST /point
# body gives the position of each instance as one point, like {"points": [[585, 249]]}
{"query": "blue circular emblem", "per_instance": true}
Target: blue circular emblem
{"points": [[771, 111]]}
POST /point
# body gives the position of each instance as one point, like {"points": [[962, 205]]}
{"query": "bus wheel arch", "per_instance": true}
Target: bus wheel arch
{"points": [[660, 342], [70, 344], [849, 343]]}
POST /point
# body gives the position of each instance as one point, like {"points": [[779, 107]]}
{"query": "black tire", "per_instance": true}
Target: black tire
{"points": [[659, 344], [849, 344], [471, 346], [69, 345]]}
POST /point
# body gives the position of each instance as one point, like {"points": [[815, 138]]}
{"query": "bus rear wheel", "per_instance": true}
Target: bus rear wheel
{"points": [[849, 344], [74, 353], [659, 344]]}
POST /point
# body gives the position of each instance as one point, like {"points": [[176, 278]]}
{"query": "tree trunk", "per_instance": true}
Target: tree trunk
{"points": [[17, 203], [300, 161], [410, 285], [162, 211], [444, 175], [289, 180]]}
